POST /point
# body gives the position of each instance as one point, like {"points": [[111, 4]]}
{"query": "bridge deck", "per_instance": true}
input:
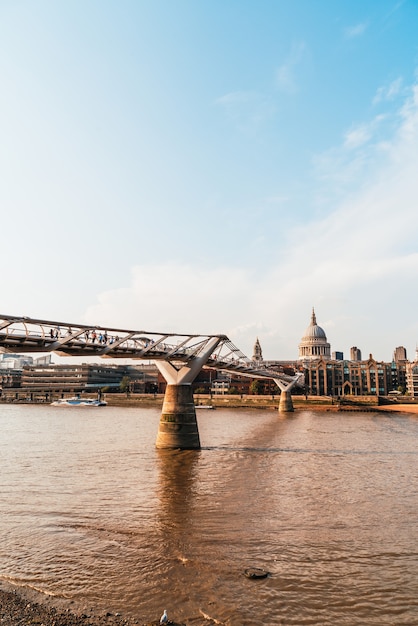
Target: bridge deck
{"points": [[27, 335]]}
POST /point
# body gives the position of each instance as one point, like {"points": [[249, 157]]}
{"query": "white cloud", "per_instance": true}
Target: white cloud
{"points": [[358, 266], [248, 110], [286, 75], [362, 133], [364, 150], [357, 136], [236, 98], [355, 31], [174, 297], [388, 92]]}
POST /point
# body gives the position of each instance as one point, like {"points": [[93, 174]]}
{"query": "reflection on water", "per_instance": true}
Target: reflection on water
{"points": [[326, 502], [176, 493]]}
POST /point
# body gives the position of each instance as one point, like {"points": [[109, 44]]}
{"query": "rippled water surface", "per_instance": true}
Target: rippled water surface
{"points": [[326, 502]]}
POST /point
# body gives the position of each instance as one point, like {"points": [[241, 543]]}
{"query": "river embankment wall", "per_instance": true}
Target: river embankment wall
{"points": [[314, 403], [240, 401], [317, 403], [224, 401]]}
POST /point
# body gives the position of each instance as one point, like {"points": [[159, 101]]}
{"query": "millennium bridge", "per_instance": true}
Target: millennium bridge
{"points": [[178, 357]]}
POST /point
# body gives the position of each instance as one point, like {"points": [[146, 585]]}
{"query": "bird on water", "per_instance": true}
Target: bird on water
{"points": [[164, 617]]}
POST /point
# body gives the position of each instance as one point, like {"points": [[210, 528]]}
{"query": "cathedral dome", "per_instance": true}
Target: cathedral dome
{"points": [[314, 330], [314, 342]]}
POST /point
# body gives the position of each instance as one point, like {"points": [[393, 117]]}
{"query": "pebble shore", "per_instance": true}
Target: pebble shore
{"points": [[16, 610]]}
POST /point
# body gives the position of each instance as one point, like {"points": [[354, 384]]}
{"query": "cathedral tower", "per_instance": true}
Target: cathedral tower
{"points": [[257, 353]]}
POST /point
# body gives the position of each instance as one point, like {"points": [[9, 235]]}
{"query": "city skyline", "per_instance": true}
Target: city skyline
{"points": [[213, 167]]}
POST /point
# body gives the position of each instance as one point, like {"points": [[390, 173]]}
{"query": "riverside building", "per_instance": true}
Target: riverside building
{"points": [[34, 381], [326, 376], [354, 378]]}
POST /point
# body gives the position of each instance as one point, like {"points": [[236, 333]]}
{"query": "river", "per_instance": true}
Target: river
{"points": [[91, 513]]}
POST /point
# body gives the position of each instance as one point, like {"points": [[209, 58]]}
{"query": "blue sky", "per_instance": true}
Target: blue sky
{"points": [[213, 166]]}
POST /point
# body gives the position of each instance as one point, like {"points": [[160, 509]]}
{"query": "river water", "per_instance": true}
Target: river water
{"points": [[326, 502]]}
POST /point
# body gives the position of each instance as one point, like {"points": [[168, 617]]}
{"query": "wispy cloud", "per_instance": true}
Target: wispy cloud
{"points": [[286, 75], [388, 92], [396, 7], [248, 110], [351, 32], [358, 266], [351, 164], [361, 134], [357, 136]]}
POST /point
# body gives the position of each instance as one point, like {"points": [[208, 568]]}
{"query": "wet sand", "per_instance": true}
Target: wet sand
{"points": [[400, 408]]}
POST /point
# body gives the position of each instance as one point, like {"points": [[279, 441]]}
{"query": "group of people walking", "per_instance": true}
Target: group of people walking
{"points": [[90, 336]]}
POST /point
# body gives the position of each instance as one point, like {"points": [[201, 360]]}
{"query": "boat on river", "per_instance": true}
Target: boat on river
{"points": [[77, 401]]}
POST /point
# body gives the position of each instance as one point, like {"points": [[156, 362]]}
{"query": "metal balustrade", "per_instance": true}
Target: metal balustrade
{"points": [[27, 335]]}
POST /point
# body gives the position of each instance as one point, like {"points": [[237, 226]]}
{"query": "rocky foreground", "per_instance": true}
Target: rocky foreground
{"points": [[15, 610]]}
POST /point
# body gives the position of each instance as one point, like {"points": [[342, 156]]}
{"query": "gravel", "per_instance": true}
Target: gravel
{"points": [[16, 610]]}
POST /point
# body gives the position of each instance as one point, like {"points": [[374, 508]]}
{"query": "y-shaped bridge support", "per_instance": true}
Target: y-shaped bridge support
{"points": [[178, 424], [286, 404]]}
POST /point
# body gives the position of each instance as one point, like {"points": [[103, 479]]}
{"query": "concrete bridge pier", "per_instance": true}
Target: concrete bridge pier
{"points": [[286, 404], [178, 424]]}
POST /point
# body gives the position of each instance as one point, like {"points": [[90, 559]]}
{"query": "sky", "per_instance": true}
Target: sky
{"points": [[213, 166]]}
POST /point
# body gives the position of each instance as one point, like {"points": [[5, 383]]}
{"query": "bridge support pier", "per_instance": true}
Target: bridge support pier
{"points": [[286, 404], [178, 424]]}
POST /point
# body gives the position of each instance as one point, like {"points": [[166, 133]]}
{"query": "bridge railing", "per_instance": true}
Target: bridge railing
{"points": [[23, 334]]}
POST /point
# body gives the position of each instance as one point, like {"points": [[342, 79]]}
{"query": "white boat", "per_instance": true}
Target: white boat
{"points": [[204, 406], [77, 401]]}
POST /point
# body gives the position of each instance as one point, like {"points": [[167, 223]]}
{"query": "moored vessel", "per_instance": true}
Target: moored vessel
{"points": [[77, 401]]}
